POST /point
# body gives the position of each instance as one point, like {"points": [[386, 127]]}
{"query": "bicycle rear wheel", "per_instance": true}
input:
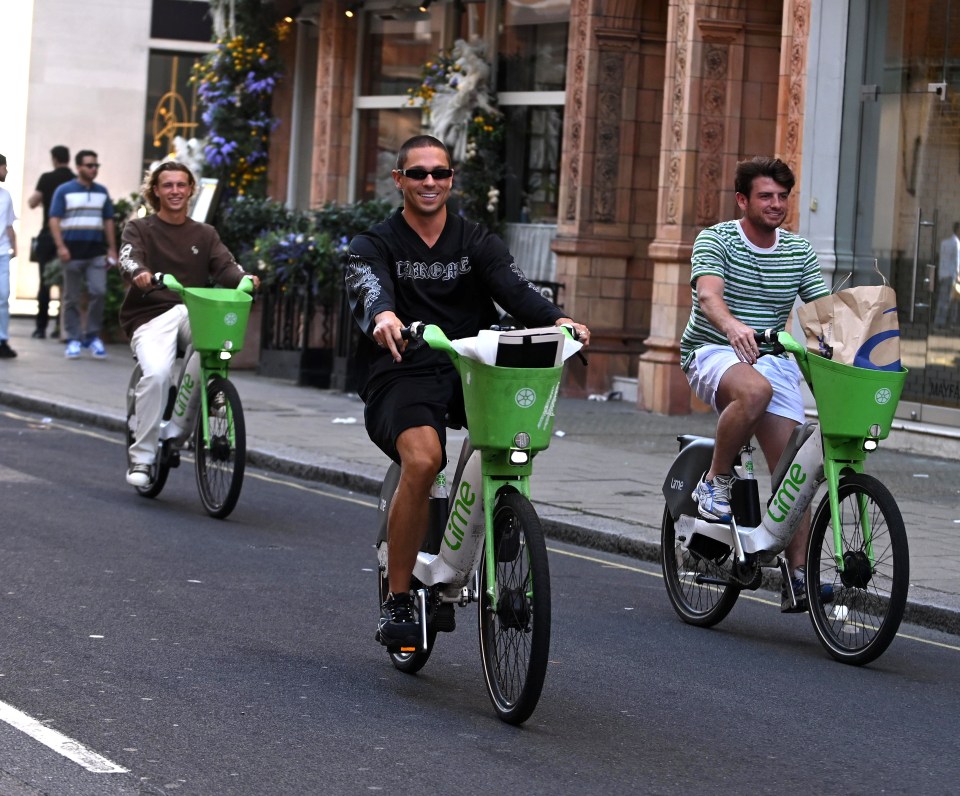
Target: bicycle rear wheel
{"points": [[515, 633], [697, 603], [870, 595], [220, 464], [161, 468]]}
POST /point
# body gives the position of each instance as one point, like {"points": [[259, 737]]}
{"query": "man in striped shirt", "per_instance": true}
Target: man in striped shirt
{"points": [[746, 276], [81, 223]]}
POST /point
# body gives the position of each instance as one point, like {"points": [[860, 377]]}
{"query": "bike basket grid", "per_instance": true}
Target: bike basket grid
{"points": [[218, 317], [851, 400], [501, 402]]}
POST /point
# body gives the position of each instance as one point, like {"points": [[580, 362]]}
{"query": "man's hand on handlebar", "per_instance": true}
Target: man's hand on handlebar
{"points": [[387, 334], [743, 342]]}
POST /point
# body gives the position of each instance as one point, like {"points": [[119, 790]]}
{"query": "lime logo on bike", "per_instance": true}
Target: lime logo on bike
{"points": [[525, 397], [788, 493], [230, 319], [883, 396]]}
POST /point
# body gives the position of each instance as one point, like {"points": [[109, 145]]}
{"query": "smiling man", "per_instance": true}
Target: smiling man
{"points": [[153, 317], [746, 276], [424, 264]]}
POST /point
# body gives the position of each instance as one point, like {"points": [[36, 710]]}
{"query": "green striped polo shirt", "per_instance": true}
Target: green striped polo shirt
{"points": [[760, 285]]}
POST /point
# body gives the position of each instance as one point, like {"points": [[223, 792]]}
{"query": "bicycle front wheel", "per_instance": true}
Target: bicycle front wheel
{"points": [[162, 467], [515, 631], [699, 581], [222, 458], [870, 594]]}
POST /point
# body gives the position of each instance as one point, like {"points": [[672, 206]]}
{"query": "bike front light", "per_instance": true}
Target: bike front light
{"points": [[871, 444], [519, 457], [225, 355]]}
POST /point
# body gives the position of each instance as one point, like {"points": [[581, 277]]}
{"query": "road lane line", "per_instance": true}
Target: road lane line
{"points": [[743, 595], [60, 743]]}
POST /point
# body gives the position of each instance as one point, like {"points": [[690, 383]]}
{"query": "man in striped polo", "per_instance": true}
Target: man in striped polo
{"points": [[746, 276], [81, 223]]}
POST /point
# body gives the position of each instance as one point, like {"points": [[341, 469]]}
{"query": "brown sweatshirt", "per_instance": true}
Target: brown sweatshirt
{"points": [[192, 252]]}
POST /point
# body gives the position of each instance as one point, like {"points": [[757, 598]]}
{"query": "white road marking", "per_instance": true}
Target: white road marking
{"points": [[60, 743]]}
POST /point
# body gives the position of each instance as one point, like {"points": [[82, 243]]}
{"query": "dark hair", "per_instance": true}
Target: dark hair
{"points": [[760, 166], [421, 142], [3, 160], [153, 178], [83, 153], [60, 154]]}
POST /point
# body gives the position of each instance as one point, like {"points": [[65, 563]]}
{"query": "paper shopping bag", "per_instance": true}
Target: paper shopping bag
{"points": [[858, 325]]}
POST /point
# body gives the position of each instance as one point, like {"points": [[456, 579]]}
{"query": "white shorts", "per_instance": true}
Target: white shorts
{"points": [[710, 362]]}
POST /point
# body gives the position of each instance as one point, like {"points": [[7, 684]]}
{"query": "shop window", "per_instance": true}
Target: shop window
{"points": [[382, 132], [171, 104], [394, 51], [533, 46]]}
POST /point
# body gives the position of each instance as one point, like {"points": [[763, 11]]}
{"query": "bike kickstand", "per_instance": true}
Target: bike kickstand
{"points": [[422, 608]]}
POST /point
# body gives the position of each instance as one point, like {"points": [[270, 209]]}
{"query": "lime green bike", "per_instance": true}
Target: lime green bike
{"points": [[485, 544], [218, 321], [857, 562]]}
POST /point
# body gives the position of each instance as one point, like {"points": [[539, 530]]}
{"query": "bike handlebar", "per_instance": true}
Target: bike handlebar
{"points": [[170, 282], [415, 330]]}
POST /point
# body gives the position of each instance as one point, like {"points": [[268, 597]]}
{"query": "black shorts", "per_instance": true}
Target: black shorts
{"points": [[429, 397]]}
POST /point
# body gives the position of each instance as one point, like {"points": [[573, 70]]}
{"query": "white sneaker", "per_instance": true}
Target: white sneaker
{"points": [[140, 475], [73, 350], [97, 348]]}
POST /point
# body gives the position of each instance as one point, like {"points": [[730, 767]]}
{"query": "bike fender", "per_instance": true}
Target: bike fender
{"points": [[684, 475], [387, 490]]}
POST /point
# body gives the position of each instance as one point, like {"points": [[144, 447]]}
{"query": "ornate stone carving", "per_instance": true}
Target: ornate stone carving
{"points": [[608, 137], [677, 117]]}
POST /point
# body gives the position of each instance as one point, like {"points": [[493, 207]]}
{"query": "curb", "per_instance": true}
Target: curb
{"points": [[924, 606]]}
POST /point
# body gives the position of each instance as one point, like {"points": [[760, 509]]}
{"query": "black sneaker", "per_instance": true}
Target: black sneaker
{"points": [[799, 583], [399, 625], [5, 351]]}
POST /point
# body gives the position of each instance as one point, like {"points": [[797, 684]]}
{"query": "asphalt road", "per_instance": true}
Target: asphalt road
{"points": [[237, 657]]}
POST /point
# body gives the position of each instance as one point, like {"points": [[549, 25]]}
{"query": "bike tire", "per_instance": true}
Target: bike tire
{"points": [[868, 601], [162, 466], [700, 604], [408, 662], [220, 465], [515, 634]]}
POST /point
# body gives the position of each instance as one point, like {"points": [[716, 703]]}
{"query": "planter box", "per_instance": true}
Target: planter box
{"points": [[310, 368]]}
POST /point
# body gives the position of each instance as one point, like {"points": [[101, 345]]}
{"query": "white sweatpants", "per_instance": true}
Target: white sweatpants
{"points": [[155, 346]]}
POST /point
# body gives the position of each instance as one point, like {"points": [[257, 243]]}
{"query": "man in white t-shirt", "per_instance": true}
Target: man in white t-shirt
{"points": [[8, 250], [745, 276]]}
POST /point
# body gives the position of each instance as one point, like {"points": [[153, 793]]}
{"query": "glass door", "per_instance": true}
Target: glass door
{"points": [[908, 186]]}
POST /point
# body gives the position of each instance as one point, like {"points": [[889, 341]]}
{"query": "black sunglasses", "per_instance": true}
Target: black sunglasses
{"points": [[90, 165], [417, 173]]}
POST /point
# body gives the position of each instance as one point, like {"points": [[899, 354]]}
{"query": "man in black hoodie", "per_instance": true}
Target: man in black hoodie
{"points": [[425, 264]]}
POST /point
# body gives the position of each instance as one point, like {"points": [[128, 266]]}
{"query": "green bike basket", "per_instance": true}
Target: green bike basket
{"points": [[850, 401], [218, 317], [502, 402]]}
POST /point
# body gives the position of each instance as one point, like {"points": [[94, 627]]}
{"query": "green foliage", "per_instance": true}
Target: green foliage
{"points": [[235, 85], [244, 218], [298, 249]]}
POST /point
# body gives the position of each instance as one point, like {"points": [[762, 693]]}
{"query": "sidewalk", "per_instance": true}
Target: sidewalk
{"points": [[598, 485]]}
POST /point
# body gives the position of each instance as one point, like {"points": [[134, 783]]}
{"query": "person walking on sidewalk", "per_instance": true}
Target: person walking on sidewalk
{"points": [[746, 276], [46, 248], [81, 222], [8, 250], [424, 264], [154, 318]]}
